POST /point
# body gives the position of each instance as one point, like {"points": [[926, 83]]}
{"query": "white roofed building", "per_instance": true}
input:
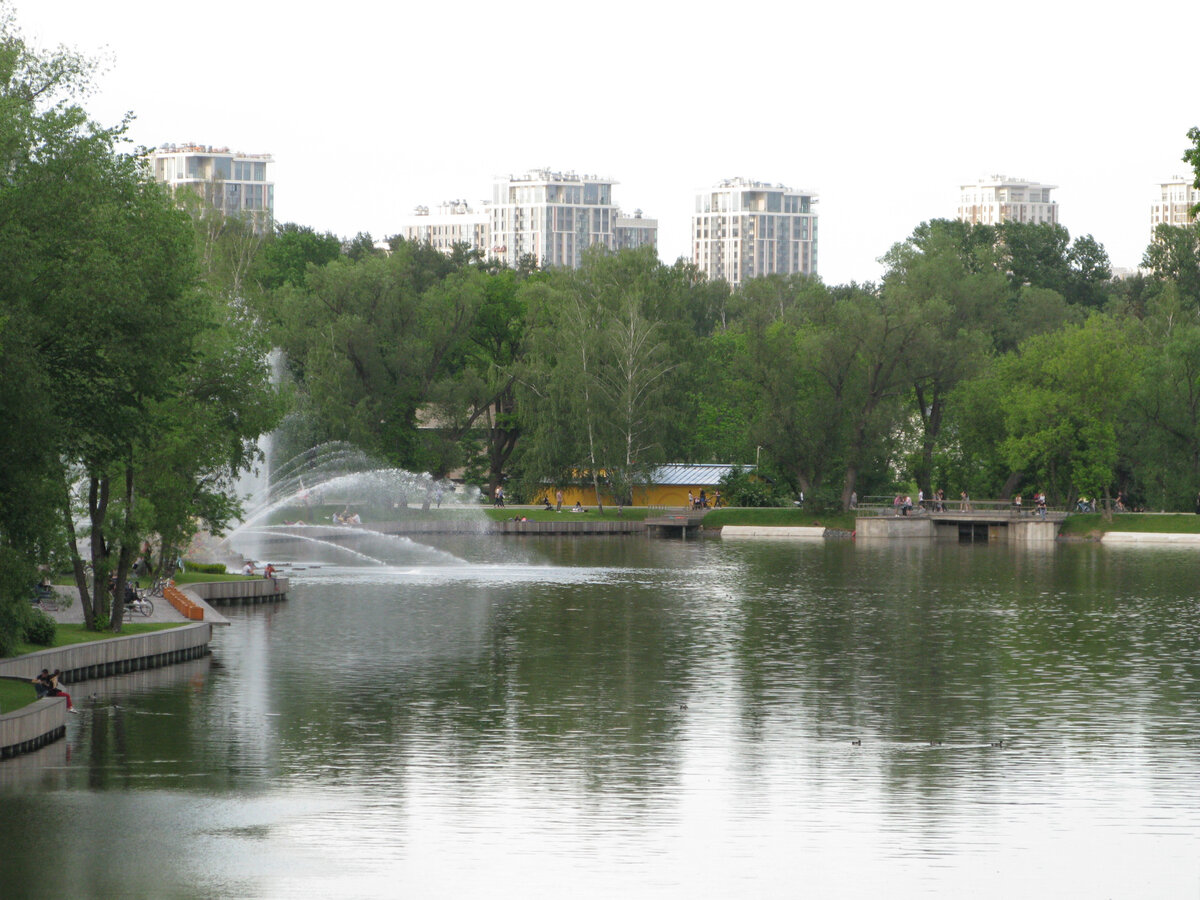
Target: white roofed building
{"points": [[744, 229], [998, 198], [232, 182]]}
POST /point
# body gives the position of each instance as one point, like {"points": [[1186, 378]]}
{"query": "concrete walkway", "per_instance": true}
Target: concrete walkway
{"points": [[163, 610]]}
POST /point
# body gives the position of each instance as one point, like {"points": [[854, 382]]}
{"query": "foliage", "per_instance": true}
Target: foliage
{"points": [[1191, 156], [204, 568], [125, 367], [740, 487], [40, 629]]}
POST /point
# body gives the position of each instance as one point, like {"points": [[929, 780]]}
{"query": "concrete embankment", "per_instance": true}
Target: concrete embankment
{"points": [[1148, 537], [807, 532], [44, 721]]}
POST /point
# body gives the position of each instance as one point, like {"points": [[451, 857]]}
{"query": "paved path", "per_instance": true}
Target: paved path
{"points": [[163, 610]]}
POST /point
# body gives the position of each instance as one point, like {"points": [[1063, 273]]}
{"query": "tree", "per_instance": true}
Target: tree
{"points": [[1174, 256], [286, 255], [1061, 396], [1191, 156], [105, 306], [599, 371], [368, 339], [938, 275]]}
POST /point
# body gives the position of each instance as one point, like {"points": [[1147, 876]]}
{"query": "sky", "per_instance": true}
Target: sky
{"points": [[372, 107]]}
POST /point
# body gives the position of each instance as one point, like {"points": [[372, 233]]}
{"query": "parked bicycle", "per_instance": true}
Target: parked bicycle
{"points": [[44, 598], [160, 583], [137, 603]]}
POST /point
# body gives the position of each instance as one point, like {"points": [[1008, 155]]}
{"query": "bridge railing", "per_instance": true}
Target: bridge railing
{"points": [[990, 509]]}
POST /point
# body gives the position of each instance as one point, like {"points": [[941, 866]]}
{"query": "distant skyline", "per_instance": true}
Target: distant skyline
{"points": [[882, 111]]}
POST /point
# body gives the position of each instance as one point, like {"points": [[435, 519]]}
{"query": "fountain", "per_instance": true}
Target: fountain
{"points": [[334, 495]]}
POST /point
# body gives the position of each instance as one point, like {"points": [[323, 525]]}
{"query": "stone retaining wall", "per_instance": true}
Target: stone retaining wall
{"points": [[114, 656], [44, 721], [773, 531], [33, 726], [1146, 537], [244, 591]]}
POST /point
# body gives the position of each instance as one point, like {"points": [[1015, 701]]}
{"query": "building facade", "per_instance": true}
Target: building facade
{"points": [[450, 223], [234, 183], [1173, 203], [551, 217], [743, 229], [631, 232], [998, 198]]}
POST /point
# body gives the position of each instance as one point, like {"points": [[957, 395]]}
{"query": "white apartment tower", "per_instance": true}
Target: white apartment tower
{"points": [[998, 198], [450, 223], [234, 183], [1174, 203], [551, 216], [742, 229]]}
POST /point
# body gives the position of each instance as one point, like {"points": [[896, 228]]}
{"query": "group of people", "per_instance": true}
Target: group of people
{"points": [[902, 504], [46, 685], [345, 517], [702, 502], [1039, 503]]}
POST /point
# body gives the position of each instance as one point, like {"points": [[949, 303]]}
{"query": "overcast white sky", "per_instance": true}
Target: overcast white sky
{"points": [[883, 109]]}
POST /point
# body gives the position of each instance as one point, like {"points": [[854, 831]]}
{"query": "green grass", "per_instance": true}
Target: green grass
{"points": [[14, 694], [1091, 524], [68, 634]]}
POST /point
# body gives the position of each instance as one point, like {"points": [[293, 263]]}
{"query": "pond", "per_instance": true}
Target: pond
{"points": [[518, 717]]}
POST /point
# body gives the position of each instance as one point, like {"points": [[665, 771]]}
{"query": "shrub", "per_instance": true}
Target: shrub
{"points": [[204, 568], [40, 629]]}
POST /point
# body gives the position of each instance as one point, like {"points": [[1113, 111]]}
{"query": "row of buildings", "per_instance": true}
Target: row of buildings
{"points": [[740, 229]]}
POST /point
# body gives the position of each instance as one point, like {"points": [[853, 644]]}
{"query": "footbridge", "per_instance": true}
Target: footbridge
{"points": [[982, 521]]}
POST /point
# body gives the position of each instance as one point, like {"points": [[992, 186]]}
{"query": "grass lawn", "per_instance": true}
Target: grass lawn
{"points": [[15, 694], [1092, 524], [67, 634]]}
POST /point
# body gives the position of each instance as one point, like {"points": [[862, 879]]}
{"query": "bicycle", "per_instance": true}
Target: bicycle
{"points": [[160, 583], [45, 598], [139, 604]]}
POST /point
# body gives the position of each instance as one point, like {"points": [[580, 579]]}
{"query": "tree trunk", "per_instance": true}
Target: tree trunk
{"points": [[77, 567]]}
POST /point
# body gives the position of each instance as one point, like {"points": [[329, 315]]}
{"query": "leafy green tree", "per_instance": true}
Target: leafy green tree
{"points": [[105, 312], [369, 338], [597, 389], [937, 274], [1191, 156], [285, 256], [1174, 256], [1061, 396]]}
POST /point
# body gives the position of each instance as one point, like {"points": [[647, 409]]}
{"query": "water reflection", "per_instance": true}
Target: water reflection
{"points": [[656, 717]]}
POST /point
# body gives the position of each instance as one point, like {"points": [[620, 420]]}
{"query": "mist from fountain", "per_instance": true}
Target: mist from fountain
{"points": [[307, 495]]}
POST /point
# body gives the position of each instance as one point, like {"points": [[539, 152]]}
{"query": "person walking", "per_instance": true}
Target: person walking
{"points": [[558, 500]]}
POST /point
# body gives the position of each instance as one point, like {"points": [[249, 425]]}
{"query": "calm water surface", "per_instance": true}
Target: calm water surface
{"points": [[603, 717]]}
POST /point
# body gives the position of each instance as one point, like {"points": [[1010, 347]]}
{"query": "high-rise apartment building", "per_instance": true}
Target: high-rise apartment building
{"points": [[998, 198], [234, 183], [549, 216], [450, 223], [631, 232], [1174, 203], [742, 229]]}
